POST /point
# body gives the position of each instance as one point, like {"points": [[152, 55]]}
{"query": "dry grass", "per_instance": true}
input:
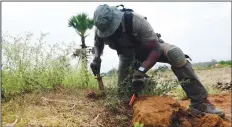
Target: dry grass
{"points": [[59, 108], [206, 76], [62, 108], [212, 76]]}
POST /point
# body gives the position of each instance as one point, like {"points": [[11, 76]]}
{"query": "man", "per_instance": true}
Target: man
{"points": [[112, 30]]}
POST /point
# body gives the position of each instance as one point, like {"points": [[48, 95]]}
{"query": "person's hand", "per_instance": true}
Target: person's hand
{"points": [[138, 80], [96, 65]]}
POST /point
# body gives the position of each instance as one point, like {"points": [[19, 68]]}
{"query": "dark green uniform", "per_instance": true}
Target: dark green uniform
{"points": [[169, 54], [109, 21]]}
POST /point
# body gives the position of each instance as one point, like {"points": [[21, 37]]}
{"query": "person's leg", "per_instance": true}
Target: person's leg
{"points": [[190, 82], [123, 77]]}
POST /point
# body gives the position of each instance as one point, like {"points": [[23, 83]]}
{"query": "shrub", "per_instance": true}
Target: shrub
{"points": [[29, 65]]}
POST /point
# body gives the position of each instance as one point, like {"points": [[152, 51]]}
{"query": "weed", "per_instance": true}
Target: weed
{"points": [[211, 90], [33, 65], [179, 93], [137, 124]]}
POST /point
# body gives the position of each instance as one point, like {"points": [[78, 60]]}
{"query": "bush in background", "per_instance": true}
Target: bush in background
{"points": [[29, 65]]}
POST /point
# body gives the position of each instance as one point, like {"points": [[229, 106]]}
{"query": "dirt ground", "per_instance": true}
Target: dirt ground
{"points": [[63, 108], [207, 76], [223, 101], [165, 111], [71, 108]]}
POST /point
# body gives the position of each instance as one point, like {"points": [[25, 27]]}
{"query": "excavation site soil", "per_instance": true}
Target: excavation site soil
{"points": [[164, 111]]}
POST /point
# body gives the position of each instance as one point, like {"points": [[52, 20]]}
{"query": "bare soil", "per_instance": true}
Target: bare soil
{"points": [[222, 101], [164, 111], [155, 111]]}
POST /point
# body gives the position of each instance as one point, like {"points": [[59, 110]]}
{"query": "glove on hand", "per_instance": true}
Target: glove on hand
{"points": [[96, 65], [138, 80]]}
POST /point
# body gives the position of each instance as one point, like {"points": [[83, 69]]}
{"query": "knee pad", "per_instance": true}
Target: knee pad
{"points": [[176, 56]]}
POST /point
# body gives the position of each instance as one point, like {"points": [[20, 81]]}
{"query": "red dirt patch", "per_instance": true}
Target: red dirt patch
{"points": [[210, 121], [156, 110], [164, 111], [223, 101]]}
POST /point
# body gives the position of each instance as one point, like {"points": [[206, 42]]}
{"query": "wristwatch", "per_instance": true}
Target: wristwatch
{"points": [[141, 69]]}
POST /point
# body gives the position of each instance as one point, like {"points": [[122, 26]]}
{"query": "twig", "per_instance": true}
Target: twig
{"points": [[12, 124], [46, 99], [95, 119], [74, 105], [87, 124]]}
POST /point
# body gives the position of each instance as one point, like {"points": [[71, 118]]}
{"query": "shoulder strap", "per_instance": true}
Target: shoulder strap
{"points": [[128, 18]]}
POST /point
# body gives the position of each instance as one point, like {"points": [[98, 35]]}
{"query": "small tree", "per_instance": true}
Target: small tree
{"points": [[81, 23], [213, 61]]}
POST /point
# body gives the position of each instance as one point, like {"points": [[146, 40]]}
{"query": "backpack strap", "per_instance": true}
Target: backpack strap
{"points": [[128, 18]]}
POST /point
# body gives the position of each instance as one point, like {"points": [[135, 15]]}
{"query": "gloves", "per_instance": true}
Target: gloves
{"points": [[138, 76], [96, 65], [138, 81]]}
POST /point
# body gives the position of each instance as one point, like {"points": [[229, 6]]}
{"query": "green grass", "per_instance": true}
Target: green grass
{"points": [[211, 90], [179, 93], [228, 62], [137, 124], [31, 64]]}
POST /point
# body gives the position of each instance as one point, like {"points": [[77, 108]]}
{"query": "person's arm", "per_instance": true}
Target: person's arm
{"points": [[154, 48], [98, 50], [98, 46], [149, 41]]}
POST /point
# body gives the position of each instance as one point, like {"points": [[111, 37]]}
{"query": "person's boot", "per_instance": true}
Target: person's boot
{"points": [[206, 107]]}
